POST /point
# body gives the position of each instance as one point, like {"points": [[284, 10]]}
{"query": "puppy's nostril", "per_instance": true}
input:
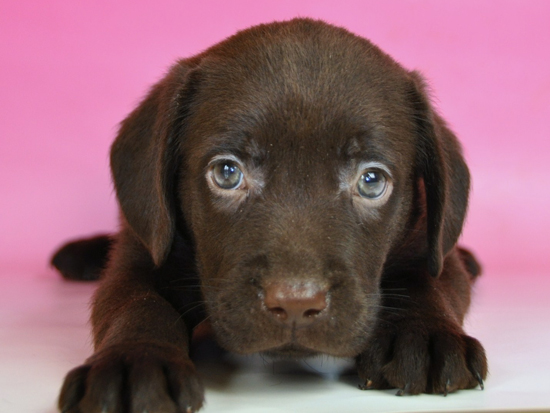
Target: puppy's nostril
{"points": [[279, 312], [311, 313]]}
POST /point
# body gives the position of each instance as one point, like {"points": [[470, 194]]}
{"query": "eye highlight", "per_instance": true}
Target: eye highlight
{"points": [[227, 175], [372, 184]]}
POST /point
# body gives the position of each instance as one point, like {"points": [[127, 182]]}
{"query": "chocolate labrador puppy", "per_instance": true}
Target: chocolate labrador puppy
{"points": [[293, 187]]}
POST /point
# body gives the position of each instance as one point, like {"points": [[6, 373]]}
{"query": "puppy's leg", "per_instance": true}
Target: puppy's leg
{"points": [[470, 262], [141, 361], [83, 259], [419, 345]]}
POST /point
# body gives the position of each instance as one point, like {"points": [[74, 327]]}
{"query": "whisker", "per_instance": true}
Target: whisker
{"points": [[203, 320]]}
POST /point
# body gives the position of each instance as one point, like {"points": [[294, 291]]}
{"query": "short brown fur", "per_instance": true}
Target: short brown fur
{"points": [[299, 106]]}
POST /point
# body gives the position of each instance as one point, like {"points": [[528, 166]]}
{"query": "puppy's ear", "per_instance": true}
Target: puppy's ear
{"points": [[144, 160], [446, 177]]}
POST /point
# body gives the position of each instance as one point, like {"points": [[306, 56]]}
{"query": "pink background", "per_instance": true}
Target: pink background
{"points": [[71, 70]]}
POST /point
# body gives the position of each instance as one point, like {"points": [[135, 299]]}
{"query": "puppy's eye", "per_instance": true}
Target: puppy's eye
{"points": [[372, 184], [227, 175]]}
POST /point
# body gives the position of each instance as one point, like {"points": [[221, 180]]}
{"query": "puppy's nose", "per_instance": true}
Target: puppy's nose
{"points": [[295, 304]]}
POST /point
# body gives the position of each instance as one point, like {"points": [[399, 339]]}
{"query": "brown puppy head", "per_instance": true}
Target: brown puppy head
{"points": [[304, 162]]}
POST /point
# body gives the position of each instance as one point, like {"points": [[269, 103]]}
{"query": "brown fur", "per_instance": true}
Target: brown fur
{"points": [[295, 262]]}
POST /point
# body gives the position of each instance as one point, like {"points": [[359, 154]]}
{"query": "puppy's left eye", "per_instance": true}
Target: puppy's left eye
{"points": [[372, 184], [227, 175]]}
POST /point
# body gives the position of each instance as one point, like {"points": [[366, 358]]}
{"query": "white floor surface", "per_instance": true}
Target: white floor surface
{"points": [[44, 333]]}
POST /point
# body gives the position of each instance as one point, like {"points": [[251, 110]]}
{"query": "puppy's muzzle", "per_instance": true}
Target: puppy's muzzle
{"points": [[297, 305]]}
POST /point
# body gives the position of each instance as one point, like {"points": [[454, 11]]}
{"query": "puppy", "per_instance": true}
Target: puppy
{"points": [[293, 186]]}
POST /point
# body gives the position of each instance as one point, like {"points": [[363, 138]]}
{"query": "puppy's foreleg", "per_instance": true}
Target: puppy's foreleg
{"points": [[141, 361], [418, 345]]}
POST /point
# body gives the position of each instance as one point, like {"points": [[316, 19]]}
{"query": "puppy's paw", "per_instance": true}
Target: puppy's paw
{"points": [[415, 359], [133, 378]]}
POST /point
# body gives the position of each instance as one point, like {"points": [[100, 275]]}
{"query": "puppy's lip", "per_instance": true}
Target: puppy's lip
{"points": [[290, 350]]}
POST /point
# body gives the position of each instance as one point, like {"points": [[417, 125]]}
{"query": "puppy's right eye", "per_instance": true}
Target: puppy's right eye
{"points": [[227, 175]]}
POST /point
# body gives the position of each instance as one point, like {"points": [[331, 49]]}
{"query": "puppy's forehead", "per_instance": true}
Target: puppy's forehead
{"points": [[301, 86]]}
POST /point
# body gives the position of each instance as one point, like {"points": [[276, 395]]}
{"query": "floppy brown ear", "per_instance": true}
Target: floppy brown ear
{"points": [[446, 178], [144, 160]]}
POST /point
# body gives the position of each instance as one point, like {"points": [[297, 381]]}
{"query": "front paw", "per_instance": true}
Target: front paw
{"points": [[133, 378], [415, 357]]}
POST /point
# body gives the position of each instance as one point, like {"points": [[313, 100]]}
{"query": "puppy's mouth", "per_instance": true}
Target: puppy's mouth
{"points": [[290, 351], [293, 343], [295, 347]]}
